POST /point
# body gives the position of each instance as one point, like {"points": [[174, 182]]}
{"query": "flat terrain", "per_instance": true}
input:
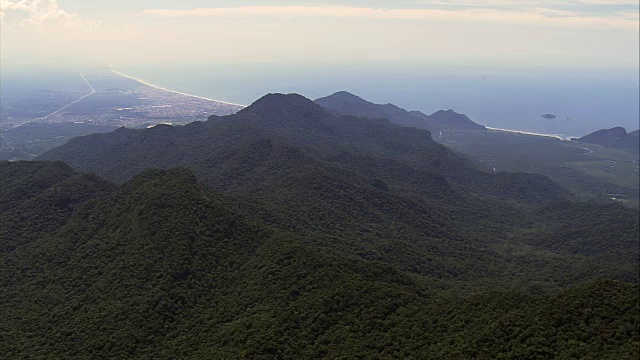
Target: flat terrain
{"points": [[41, 111], [100, 96], [591, 171], [29, 140]]}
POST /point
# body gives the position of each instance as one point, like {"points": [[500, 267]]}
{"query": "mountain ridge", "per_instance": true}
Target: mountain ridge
{"points": [[616, 137], [214, 148], [161, 267], [344, 103], [283, 230]]}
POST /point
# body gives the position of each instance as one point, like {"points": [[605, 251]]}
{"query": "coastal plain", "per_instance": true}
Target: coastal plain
{"points": [[36, 116]]}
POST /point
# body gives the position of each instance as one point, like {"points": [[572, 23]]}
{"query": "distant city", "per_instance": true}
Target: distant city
{"points": [[105, 97], [38, 113]]}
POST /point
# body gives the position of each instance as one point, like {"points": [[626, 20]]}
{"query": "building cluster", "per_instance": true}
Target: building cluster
{"points": [[120, 101]]}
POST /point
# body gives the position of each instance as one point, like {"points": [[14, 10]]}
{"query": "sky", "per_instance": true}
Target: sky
{"points": [[601, 34]]}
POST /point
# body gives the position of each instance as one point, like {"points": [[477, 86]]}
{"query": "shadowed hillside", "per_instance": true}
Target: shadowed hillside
{"points": [[284, 231], [344, 103], [616, 137]]}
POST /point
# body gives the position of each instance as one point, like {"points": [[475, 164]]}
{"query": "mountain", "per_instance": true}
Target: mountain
{"points": [[352, 176], [296, 136], [345, 103], [616, 137], [128, 272], [161, 267], [285, 231], [448, 120], [39, 198]]}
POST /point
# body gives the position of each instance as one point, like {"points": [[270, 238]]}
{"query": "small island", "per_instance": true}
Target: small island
{"points": [[549, 116]]}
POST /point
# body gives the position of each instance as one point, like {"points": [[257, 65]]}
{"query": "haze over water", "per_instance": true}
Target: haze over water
{"points": [[582, 100], [504, 63]]}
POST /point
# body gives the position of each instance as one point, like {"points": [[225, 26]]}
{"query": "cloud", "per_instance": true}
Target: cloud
{"points": [[609, 2], [529, 3], [10, 5], [41, 31], [551, 17], [40, 15]]}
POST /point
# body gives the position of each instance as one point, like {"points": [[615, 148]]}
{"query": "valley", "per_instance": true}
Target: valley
{"points": [[591, 171]]}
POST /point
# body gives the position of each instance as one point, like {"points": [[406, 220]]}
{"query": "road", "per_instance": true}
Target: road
{"points": [[93, 91]]}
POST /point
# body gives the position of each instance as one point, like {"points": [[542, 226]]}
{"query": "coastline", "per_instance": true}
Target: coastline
{"points": [[144, 82], [555, 136]]}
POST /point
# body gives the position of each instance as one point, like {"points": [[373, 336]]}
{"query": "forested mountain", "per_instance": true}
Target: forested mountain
{"points": [[292, 135], [344, 103], [616, 137], [160, 267], [36, 199], [448, 120], [284, 231]]}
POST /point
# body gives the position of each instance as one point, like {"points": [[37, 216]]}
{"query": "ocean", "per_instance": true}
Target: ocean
{"points": [[582, 100]]}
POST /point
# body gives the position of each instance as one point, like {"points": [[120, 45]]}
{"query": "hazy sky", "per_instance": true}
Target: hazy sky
{"points": [[571, 33]]}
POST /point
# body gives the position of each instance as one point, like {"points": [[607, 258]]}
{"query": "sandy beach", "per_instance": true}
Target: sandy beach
{"points": [[144, 82], [555, 136]]}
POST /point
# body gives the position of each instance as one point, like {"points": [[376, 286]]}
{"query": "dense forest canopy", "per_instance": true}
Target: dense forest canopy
{"points": [[285, 231]]}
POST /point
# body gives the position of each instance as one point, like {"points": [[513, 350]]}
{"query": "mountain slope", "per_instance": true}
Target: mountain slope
{"points": [[287, 133], [379, 185], [616, 137], [296, 233], [39, 198], [448, 120], [344, 103], [369, 181], [124, 267], [161, 268]]}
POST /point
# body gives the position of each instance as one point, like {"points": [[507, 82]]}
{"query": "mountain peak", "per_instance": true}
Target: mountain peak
{"points": [[345, 95], [616, 137], [342, 99], [605, 135], [448, 111], [449, 119], [288, 105], [286, 111], [344, 103], [279, 99]]}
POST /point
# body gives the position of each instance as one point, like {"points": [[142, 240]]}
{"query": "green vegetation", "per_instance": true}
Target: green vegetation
{"points": [[37, 199], [344, 103], [616, 137], [611, 165], [161, 268], [290, 233], [590, 171], [30, 140], [584, 166]]}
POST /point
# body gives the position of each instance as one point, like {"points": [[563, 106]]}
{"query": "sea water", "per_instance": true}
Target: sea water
{"points": [[583, 100]]}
